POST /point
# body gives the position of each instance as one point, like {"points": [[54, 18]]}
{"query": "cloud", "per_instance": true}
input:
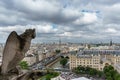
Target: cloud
{"points": [[72, 20], [87, 18], [111, 30]]}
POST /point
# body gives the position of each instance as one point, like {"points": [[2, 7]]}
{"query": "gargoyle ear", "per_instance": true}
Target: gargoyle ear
{"points": [[34, 30], [26, 30]]}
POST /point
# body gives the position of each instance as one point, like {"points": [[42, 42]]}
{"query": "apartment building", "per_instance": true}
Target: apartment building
{"points": [[94, 58]]}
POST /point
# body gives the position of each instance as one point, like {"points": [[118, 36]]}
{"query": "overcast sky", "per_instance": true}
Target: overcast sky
{"points": [[69, 20]]}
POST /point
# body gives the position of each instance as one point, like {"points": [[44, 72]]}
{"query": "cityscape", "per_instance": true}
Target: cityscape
{"points": [[48, 56], [59, 40]]}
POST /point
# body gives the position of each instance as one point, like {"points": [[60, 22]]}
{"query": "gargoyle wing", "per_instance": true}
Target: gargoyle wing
{"points": [[9, 52]]}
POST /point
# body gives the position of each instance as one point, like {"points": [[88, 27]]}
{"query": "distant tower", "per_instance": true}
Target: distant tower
{"points": [[111, 43], [59, 43], [37, 56]]}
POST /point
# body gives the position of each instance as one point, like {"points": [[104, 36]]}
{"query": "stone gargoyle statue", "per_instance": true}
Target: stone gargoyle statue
{"points": [[15, 48]]}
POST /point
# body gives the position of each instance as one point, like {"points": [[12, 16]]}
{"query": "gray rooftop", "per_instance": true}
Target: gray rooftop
{"points": [[95, 52]]}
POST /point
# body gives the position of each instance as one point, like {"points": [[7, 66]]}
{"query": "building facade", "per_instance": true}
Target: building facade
{"points": [[94, 58]]}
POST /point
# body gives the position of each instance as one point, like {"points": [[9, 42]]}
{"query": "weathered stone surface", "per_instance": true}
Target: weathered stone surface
{"points": [[24, 76], [15, 49]]}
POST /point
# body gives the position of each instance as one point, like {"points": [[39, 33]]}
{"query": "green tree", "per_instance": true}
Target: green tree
{"points": [[117, 76], [107, 69], [63, 61], [109, 78], [108, 74], [93, 72], [88, 70], [76, 70], [100, 73], [67, 57], [57, 51], [62, 56], [24, 64], [48, 77], [111, 73], [81, 69]]}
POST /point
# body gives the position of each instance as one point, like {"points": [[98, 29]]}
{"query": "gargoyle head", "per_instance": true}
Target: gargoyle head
{"points": [[31, 32]]}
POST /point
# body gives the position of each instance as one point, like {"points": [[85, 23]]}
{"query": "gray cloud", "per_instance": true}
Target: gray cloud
{"points": [[72, 20]]}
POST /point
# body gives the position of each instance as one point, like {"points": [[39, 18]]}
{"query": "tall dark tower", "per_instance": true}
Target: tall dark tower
{"points": [[59, 43], [111, 43], [37, 56]]}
